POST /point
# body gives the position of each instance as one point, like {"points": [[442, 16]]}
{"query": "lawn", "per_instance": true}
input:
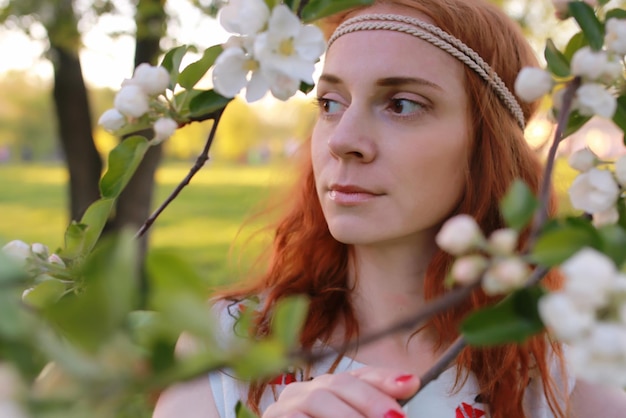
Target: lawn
{"points": [[203, 225]]}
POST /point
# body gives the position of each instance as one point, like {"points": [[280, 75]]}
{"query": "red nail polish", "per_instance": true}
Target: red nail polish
{"points": [[404, 378], [393, 414]]}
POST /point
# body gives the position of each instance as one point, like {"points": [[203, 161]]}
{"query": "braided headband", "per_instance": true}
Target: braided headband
{"points": [[440, 39]]}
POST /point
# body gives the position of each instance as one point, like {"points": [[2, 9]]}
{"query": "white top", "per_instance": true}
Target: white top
{"points": [[437, 399]]}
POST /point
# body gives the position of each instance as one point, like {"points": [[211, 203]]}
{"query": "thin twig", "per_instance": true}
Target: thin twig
{"points": [[541, 215], [200, 161], [430, 309]]}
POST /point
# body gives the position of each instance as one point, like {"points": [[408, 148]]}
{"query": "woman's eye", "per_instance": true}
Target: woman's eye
{"points": [[404, 106], [328, 106]]}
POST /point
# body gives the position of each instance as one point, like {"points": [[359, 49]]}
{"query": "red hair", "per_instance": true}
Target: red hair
{"points": [[306, 259]]}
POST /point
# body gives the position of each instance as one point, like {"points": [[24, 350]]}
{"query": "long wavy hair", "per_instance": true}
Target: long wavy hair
{"points": [[306, 259]]}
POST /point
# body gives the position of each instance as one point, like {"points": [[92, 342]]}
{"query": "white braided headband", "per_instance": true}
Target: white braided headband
{"points": [[440, 39]]}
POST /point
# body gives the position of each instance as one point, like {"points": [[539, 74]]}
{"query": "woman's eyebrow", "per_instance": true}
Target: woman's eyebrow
{"points": [[387, 81], [401, 81]]}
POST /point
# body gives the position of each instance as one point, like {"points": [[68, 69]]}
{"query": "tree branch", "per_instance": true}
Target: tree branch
{"points": [[200, 161]]}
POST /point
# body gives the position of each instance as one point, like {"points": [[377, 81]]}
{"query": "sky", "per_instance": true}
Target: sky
{"points": [[106, 61]]}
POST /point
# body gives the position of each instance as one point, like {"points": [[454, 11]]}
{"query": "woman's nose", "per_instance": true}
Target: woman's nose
{"points": [[352, 137]]}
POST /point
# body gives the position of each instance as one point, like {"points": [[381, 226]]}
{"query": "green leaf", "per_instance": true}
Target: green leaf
{"points": [[619, 118], [317, 9], [74, 240], [206, 103], [558, 64], [272, 3], [261, 359], [559, 243], [123, 161], [574, 123], [94, 219], [90, 316], [289, 316], [518, 205], [615, 13], [190, 76], [306, 88], [10, 271], [513, 320], [589, 23], [172, 60], [614, 242], [242, 411], [575, 43], [45, 294]]}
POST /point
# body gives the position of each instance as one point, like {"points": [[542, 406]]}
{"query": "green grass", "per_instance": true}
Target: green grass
{"points": [[203, 225]]}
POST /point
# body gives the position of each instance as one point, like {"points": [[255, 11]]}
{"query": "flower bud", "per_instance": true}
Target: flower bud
{"points": [[563, 318], [459, 235], [615, 38], [594, 191], [533, 83], [40, 249], [589, 277], [17, 250], [620, 170], [468, 269], [55, 259], [505, 276], [583, 160], [152, 80], [594, 99], [132, 101], [163, 129], [112, 120], [503, 241], [606, 217]]}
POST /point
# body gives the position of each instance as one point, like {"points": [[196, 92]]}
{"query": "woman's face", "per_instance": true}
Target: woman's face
{"points": [[390, 146]]}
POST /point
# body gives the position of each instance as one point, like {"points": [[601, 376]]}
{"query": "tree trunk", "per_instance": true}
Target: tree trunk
{"points": [[135, 202], [75, 130]]}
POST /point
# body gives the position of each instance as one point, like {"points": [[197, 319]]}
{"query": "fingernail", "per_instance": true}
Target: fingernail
{"points": [[393, 414], [404, 378]]}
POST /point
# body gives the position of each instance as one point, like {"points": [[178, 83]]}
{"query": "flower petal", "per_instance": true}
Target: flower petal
{"points": [[229, 74], [310, 43], [257, 87], [284, 22]]}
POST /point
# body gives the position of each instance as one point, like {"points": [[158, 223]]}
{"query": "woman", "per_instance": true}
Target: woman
{"points": [[413, 128]]}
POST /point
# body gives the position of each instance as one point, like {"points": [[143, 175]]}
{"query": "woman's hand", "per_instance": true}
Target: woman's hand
{"points": [[366, 392]]}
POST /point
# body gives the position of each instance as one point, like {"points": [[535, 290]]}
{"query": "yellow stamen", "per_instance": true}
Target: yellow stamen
{"points": [[251, 65], [286, 47]]}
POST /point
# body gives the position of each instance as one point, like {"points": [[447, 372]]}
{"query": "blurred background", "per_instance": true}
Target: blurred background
{"points": [[62, 62]]}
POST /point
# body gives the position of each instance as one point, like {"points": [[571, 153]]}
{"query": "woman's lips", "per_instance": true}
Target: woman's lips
{"points": [[350, 195]]}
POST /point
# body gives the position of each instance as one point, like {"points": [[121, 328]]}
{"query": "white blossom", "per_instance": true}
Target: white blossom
{"points": [[615, 38], [583, 160], [606, 217], [596, 65], [163, 129], [132, 101], [594, 99], [234, 69], [533, 83], [594, 191], [459, 235], [288, 47], [245, 17], [152, 80], [468, 269], [589, 275], [620, 170], [17, 250], [503, 241], [505, 275], [112, 120], [600, 357], [563, 317]]}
